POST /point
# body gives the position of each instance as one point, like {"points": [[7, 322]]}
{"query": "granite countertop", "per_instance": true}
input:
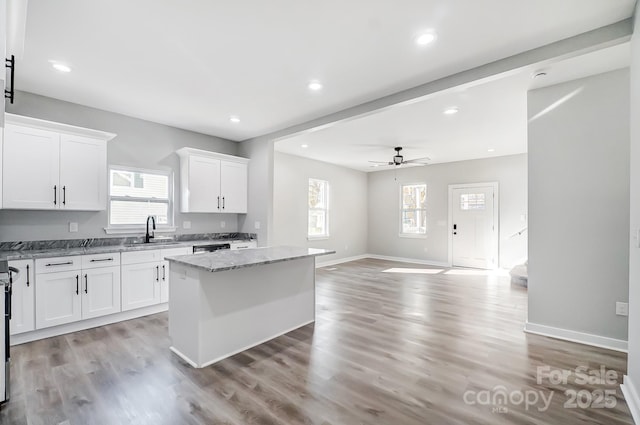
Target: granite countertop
{"points": [[218, 261], [44, 249]]}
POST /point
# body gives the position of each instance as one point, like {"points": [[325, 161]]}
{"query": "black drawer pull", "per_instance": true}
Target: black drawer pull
{"points": [[66, 263], [28, 276], [96, 260]]}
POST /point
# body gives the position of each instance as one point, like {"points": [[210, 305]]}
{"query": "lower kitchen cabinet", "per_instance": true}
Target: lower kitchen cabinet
{"points": [[23, 315], [140, 285], [101, 292], [58, 298]]}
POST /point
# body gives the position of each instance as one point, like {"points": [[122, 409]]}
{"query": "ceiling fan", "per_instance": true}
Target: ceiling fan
{"points": [[398, 159]]}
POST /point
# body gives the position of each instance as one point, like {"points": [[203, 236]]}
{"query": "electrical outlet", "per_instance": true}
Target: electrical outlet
{"points": [[256, 225], [223, 224], [622, 309], [186, 225], [73, 227]]}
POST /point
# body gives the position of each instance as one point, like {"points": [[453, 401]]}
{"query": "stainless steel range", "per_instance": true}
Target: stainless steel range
{"points": [[5, 306]]}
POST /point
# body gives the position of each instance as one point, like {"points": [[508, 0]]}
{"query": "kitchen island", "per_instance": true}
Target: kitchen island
{"points": [[225, 302]]}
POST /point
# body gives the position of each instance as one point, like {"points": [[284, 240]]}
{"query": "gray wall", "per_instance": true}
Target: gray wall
{"points": [[138, 144], [509, 171], [260, 190], [347, 205], [633, 370], [579, 205]]}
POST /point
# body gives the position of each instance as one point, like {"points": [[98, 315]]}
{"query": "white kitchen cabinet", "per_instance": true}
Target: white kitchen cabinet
{"points": [[47, 165], [23, 315], [58, 298], [83, 173], [233, 186], [30, 168], [164, 269], [140, 285], [101, 292], [243, 245], [212, 182]]}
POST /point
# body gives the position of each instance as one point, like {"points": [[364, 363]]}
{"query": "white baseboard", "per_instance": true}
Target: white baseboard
{"points": [[632, 398], [87, 324], [341, 260], [579, 337], [409, 260]]}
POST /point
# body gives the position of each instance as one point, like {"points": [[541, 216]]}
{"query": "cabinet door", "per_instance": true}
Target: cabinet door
{"points": [[57, 298], [83, 173], [100, 292], [203, 194], [23, 315], [233, 187], [140, 285], [30, 168]]}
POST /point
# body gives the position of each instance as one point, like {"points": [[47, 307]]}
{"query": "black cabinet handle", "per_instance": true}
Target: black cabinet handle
{"points": [[96, 260], [86, 284], [55, 194], [218, 202], [64, 195], [77, 284], [157, 273], [223, 202], [66, 263], [164, 272], [28, 276]]}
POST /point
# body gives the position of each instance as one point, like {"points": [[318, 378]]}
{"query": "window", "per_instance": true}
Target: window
{"points": [[413, 214], [318, 209], [136, 194], [472, 201]]}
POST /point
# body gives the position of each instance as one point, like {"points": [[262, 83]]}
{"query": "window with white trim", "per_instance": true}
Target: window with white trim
{"points": [[318, 224], [413, 209], [135, 194]]}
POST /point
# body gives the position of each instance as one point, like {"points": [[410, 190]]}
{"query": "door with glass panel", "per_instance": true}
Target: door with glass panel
{"points": [[474, 227]]}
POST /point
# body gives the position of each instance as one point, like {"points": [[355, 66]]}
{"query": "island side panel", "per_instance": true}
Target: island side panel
{"points": [[184, 290], [245, 307]]}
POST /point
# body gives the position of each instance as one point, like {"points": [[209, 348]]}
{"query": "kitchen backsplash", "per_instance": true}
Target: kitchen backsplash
{"points": [[94, 242]]}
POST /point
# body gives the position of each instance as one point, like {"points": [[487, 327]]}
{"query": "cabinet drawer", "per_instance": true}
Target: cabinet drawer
{"points": [[136, 257], [172, 252], [58, 264], [100, 260], [243, 245]]}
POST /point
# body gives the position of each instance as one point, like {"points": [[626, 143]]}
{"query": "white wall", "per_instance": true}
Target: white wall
{"points": [[579, 205], [139, 143], [259, 218], [632, 381], [384, 213], [347, 205]]}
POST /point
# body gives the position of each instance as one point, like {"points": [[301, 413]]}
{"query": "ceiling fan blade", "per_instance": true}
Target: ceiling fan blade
{"points": [[378, 162], [418, 160]]}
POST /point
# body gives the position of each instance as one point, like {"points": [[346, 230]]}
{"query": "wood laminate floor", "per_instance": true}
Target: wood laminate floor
{"points": [[387, 348]]}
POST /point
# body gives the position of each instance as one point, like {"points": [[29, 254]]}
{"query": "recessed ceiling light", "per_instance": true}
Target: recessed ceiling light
{"points": [[60, 67], [304, 146], [491, 150], [425, 38], [234, 119], [451, 111], [315, 85]]}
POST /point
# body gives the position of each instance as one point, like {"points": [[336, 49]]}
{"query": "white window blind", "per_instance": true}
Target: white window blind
{"points": [[318, 225], [413, 209]]}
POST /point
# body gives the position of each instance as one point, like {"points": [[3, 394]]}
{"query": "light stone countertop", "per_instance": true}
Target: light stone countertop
{"points": [[218, 261], [63, 252]]}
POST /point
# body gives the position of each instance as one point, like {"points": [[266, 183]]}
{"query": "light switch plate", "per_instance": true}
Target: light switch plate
{"points": [[622, 309], [186, 225], [223, 224], [257, 225], [73, 227]]}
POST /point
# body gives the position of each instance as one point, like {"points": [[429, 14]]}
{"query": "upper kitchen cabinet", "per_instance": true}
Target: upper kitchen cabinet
{"points": [[48, 166], [211, 182]]}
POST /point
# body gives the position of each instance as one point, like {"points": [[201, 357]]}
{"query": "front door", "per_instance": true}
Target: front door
{"points": [[474, 230]]}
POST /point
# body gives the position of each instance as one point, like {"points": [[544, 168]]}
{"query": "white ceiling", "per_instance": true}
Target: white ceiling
{"points": [[193, 63], [492, 115]]}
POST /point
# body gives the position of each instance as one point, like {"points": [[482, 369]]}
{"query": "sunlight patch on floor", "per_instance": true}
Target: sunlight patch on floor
{"points": [[406, 270], [475, 272]]}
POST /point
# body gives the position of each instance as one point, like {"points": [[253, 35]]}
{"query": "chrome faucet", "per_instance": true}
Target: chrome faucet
{"points": [[147, 236]]}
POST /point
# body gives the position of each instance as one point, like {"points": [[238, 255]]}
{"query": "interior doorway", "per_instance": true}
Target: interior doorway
{"points": [[473, 225]]}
